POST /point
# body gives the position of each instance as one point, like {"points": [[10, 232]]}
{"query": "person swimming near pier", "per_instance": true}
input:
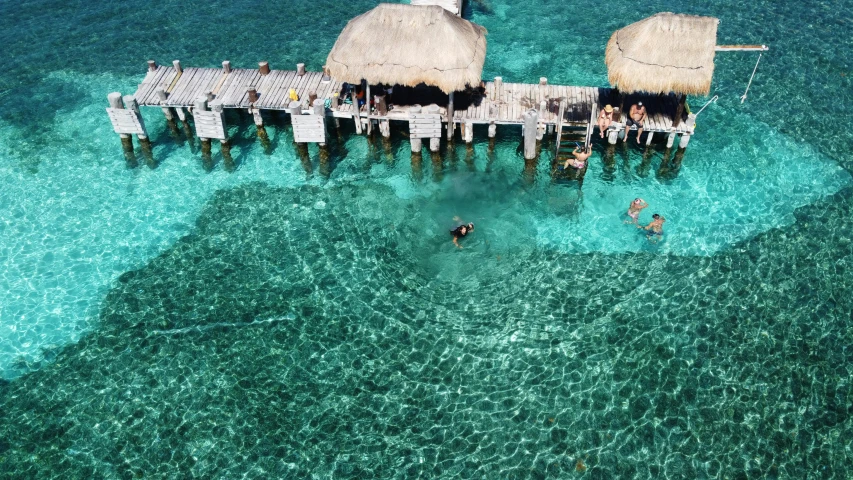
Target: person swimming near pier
{"points": [[461, 231], [654, 230], [580, 157], [634, 209]]}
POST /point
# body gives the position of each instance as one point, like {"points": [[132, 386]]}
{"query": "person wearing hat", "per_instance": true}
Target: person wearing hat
{"points": [[605, 118], [636, 116]]}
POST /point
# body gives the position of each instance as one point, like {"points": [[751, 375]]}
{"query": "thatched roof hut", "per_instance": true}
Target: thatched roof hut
{"points": [[408, 45], [664, 53]]}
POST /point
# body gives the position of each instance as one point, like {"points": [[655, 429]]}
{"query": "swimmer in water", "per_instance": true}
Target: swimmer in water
{"points": [[654, 230], [580, 158], [634, 209], [460, 232]]}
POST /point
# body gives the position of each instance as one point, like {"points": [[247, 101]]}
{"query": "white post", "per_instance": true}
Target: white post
{"points": [[685, 139], [130, 103], [612, 136], [468, 135], [435, 142], [531, 118], [649, 138], [670, 140], [200, 105], [167, 112], [450, 125], [416, 143]]}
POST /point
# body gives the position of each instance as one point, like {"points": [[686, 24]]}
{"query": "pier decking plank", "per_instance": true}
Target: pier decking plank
{"points": [[178, 89]]}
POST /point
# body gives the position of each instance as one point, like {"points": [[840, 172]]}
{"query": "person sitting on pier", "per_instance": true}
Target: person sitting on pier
{"points": [[460, 232], [654, 230], [580, 157], [605, 118], [634, 209], [636, 116]]}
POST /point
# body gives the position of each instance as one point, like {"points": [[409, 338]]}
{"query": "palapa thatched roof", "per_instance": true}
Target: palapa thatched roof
{"points": [[407, 45], [664, 53]]}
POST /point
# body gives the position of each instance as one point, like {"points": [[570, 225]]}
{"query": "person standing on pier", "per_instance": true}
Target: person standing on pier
{"points": [[636, 116]]}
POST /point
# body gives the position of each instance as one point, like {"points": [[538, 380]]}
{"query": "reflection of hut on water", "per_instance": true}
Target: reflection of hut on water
{"points": [[422, 55]]}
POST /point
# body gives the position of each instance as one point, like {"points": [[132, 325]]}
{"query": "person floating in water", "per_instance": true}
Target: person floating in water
{"points": [[460, 232], [580, 157], [634, 209], [654, 230]]}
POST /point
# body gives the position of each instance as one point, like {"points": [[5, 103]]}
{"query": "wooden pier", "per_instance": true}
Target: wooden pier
{"points": [[497, 103], [434, 87]]}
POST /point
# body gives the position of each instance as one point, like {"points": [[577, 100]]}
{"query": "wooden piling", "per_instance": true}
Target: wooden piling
{"points": [[468, 131], [264, 68], [300, 69], [416, 143], [385, 128], [177, 65], [531, 119], [226, 67], [115, 101], [649, 137], [224, 143], [200, 104], [356, 112], [152, 65], [685, 139], [612, 136], [498, 83], [543, 80], [130, 104], [670, 140], [435, 142], [367, 105], [451, 127], [167, 112], [493, 130]]}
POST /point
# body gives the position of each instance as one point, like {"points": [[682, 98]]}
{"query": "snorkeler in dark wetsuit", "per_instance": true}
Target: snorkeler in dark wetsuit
{"points": [[460, 232]]}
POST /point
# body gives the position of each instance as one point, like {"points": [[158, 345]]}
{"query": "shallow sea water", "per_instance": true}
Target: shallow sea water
{"points": [[283, 318]]}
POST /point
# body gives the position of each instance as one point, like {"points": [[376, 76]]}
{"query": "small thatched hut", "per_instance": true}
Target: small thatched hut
{"points": [[400, 44], [664, 53]]}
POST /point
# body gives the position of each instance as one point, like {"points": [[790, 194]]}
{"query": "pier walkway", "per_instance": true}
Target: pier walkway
{"points": [[502, 103]]}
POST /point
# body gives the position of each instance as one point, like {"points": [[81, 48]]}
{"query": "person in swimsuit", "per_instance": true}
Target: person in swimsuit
{"points": [[634, 209], [460, 232], [654, 230], [605, 118], [636, 116], [581, 156]]}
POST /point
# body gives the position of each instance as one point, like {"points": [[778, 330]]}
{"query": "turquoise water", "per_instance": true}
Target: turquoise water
{"points": [[288, 319]]}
